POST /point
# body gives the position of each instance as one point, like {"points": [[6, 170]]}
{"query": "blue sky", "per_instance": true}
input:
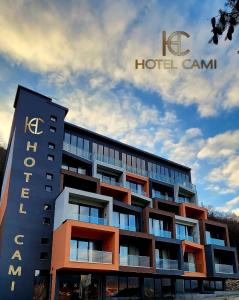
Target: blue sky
{"points": [[82, 54]]}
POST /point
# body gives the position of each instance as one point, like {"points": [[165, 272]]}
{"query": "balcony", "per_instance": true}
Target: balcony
{"points": [[157, 194], [167, 264], [126, 227], [225, 269], [138, 191], [71, 247], [190, 267], [161, 233], [91, 256], [68, 202], [213, 241], [186, 237], [90, 219], [135, 261]]}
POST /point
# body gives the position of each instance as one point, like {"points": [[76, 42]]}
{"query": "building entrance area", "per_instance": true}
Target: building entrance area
{"points": [[80, 287]]}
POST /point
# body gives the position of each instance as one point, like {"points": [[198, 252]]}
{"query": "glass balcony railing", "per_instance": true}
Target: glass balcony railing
{"points": [[167, 264], [90, 256], [135, 261], [182, 200], [89, 219], [218, 242], [157, 194], [121, 164], [77, 151], [136, 191], [222, 268], [161, 233], [108, 160], [186, 237], [116, 183], [125, 227], [190, 267]]}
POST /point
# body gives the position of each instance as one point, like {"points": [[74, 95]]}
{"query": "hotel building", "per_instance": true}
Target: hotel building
{"points": [[83, 216]]}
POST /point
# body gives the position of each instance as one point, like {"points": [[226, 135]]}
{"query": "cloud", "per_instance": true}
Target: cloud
{"points": [[221, 145], [118, 114], [230, 206], [223, 150], [64, 43]]}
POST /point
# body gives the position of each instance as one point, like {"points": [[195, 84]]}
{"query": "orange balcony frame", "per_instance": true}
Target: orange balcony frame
{"points": [[200, 258], [76, 229], [61, 248], [192, 211], [116, 191], [139, 179]]}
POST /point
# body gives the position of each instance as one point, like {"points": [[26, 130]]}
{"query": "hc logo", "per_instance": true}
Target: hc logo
{"points": [[32, 125], [174, 43]]}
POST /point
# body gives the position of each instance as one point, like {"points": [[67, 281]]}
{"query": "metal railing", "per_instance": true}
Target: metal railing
{"points": [[222, 268], [121, 164], [161, 233], [167, 264], [89, 219], [90, 256], [135, 261], [116, 183]]}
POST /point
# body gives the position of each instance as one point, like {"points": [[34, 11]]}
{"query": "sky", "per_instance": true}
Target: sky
{"points": [[82, 54]]}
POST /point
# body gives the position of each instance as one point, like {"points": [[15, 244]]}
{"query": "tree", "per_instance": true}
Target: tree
{"points": [[226, 21]]}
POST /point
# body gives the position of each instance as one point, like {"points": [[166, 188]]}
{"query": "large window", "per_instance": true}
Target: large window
{"points": [[106, 154], [76, 145], [84, 250], [107, 178], [135, 187], [124, 221], [122, 287], [91, 214], [184, 232], [159, 228]]}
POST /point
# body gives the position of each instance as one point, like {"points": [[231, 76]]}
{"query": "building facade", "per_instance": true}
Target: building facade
{"points": [[86, 217]]}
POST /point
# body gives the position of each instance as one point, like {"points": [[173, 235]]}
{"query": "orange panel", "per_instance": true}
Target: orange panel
{"points": [[61, 245], [116, 192], [193, 211], [200, 258], [139, 179], [4, 200]]}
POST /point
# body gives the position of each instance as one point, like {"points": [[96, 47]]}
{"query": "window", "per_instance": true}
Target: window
{"points": [[52, 129], [124, 221], [44, 255], [53, 118], [51, 146], [47, 207], [48, 188], [46, 221], [44, 241], [49, 176], [50, 157]]}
